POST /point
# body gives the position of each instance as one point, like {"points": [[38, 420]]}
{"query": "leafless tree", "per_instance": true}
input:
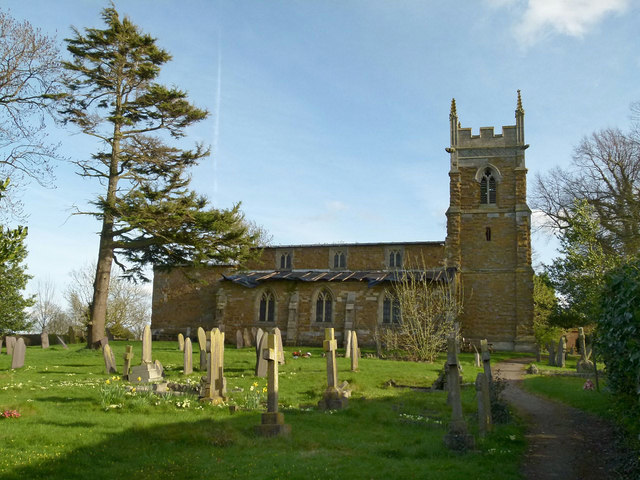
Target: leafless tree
{"points": [[29, 84], [46, 314]]}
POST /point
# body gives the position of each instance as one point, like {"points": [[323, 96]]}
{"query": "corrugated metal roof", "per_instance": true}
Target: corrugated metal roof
{"points": [[254, 278]]}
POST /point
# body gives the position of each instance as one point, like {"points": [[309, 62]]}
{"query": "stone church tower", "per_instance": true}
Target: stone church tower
{"points": [[488, 232]]}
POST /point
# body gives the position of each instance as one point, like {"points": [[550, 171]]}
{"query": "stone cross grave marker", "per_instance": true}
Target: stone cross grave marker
{"points": [[109, 359], [214, 388], [278, 334], [61, 342], [128, 358], [347, 344], [19, 351], [584, 365], [44, 340], [272, 421], [181, 342], [202, 343], [355, 351], [552, 354], [562, 351], [333, 398], [246, 337], [261, 362], [188, 357], [484, 404], [457, 437], [11, 343], [239, 339], [486, 360]]}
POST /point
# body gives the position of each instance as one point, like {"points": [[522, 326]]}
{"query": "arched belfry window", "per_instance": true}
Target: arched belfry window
{"points": [[324, 306], [267, 311], [488, 187]]}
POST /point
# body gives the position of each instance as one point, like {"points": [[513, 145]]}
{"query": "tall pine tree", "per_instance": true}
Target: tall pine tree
{"points": [[148, 213]]}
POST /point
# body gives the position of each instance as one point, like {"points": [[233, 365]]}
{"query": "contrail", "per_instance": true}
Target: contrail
{"points": [[216, 122]]}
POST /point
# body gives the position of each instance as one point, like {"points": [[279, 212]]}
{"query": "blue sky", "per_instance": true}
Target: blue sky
{"points": [[329, 119]]}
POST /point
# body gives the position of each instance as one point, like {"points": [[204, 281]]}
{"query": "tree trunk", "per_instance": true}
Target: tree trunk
{"points": [[98, 311]]}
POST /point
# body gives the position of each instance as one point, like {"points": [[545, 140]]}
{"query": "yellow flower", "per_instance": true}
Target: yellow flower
{"points": [[255, 384], [108, 381], [139, 379], [264, 389], [133, 390]]}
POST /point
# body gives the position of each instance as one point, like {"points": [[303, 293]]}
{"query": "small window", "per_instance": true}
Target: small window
{"points": [[285, 261], [324, 304], [339, 260], [395, 258], [488, 188], [267, 307], [487, 234], [391, 311]]}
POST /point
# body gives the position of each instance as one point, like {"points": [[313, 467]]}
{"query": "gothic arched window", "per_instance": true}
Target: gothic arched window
{"points": [[488, 188], [395, 259], [267, 307], [324, 306], [285, 261], [390, 310], [339, 260]]}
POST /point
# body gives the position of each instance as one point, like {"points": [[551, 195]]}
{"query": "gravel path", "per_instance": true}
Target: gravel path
{"points": [[563, 442]]}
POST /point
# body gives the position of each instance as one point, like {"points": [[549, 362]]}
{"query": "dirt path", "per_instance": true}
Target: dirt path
{"points": [[564, 442]]}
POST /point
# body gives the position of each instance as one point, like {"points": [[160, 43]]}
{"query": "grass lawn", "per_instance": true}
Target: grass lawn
{"points": [[69, 429]]}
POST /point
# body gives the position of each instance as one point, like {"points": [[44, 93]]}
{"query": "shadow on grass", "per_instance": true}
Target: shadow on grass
{"points": [[67, 399]]}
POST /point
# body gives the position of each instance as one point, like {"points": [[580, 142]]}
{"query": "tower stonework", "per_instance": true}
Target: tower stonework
{"points": [[488, 232]]}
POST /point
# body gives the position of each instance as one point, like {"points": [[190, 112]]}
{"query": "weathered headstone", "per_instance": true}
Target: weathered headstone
{"points": [[61, 342], [18, 353], [146, 345], [347, 344], [355, 351], [254, 332], [261, 362], [584, 365], [109, 359], [72, 335], [457, 438], [44, 340], [188, 357], [202, 343], [562, 351], [486, 359], [552, 354], [259, 334], [11, 343], [278, 334], [246, 337], [128, 358], [147, 371], [181, 342], [239, 339], [477, 361], [213, 384], [484, 404], [272, 421], [334, 397]]}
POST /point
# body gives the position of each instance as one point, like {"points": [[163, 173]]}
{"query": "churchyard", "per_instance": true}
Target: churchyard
{"points": [[77, 421]]}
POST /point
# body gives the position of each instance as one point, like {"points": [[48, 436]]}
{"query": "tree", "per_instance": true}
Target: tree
{"points": [[46, 314], [29, 84], [545, 305], [13, 278], [148, 213], [606, 175]]}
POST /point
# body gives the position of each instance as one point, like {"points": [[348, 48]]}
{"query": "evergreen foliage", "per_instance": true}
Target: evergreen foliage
{"points": [[545, 304], [148, 213]]}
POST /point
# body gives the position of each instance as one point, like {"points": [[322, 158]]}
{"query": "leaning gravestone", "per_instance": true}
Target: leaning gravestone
{"points": [[61, 342], [261, 362], [181, 342], [272, 421], [457, 438], [278, 334], [109, 359], [202, 343], [355, 351], [239, 339], [18, 354], [11, 343], [188, 357], [44, 340]]}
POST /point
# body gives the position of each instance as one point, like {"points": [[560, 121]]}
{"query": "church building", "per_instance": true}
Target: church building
{"points": [[302, 289]]}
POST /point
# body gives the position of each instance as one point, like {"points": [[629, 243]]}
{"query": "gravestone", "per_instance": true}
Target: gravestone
{"points": [[457, 437], [1, 339], [355, 352], [254, 332], [486, 360], [109, 359], [214, 385], [11, 343], [483, 395], [181, 342], [347, 344], [334, 397], [278, 334], [239, 339], [188, 357], [261, 362], [18, 353], [272, 421], [61, 342], [128, 358], [259, 334], [202, 343], [562, 352], [72, 335], [246, 337], [552, 354], [147, 371], [584, 365], [44, 340], [477, 361]]}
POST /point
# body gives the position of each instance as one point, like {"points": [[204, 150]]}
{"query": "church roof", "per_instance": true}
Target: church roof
{"points": [[254, 278]]}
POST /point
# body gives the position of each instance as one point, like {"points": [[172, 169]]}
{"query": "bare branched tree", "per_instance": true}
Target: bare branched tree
{"points": [[46, 314]]}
